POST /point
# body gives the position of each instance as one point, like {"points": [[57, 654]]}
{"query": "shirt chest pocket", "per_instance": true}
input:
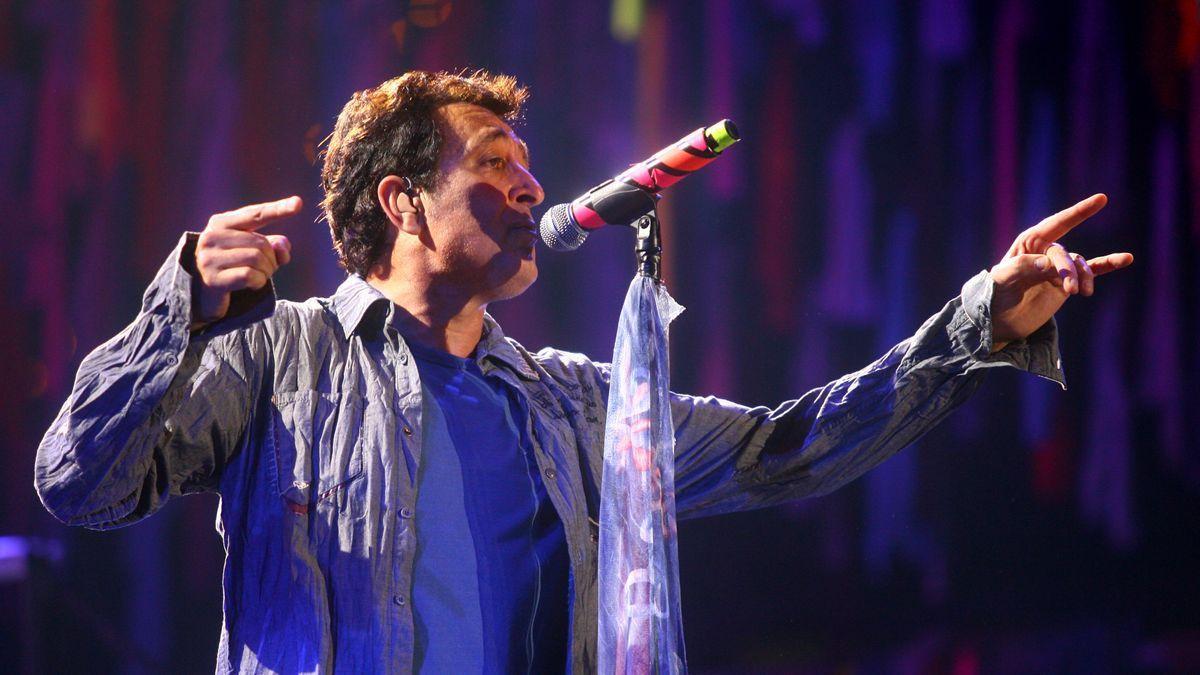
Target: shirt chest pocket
{"points": [[316, 450]]}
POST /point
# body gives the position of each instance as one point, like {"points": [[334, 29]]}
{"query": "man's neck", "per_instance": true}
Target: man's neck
{"points": [[433, 315]]}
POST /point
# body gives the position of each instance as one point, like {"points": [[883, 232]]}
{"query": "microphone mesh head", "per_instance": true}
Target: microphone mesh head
{"points": [[559, 230]]}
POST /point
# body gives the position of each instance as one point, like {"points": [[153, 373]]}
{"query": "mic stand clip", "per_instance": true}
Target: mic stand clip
{"points": [[649, 246]]}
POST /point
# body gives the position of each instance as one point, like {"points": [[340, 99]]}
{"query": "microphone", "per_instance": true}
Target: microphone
{"points": [[625, 198]]}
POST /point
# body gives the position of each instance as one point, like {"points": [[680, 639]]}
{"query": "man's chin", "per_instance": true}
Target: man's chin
{"points": [[519, 282], [526, 277]]}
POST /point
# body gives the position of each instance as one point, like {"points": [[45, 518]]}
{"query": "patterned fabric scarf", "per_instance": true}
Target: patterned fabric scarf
{"points": [[641, 630]]}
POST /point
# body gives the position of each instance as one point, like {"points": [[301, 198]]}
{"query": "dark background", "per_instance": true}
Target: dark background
{"points": [[891, 150]]}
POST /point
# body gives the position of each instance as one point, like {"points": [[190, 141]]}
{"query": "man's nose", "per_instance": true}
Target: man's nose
{"points": [[526, 190]]}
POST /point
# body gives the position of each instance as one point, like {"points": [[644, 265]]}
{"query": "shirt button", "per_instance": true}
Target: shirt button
{"points": [[551, 474], [404, 359], [406, 512], [172, 359], [399, 600]]}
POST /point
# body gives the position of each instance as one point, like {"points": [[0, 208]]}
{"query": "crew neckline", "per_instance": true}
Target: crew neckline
{"points": [[439, 357]]}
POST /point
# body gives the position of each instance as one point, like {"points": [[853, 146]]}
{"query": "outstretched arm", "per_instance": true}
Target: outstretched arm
{"points": [[730, 457]]}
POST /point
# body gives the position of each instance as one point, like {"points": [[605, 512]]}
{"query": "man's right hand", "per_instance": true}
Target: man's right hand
{"points": [[232, 256]]}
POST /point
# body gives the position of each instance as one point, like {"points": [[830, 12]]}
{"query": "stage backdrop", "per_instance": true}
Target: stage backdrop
{"points": [[891, 150]]}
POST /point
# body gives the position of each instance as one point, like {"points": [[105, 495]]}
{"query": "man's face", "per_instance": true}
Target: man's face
{"points": [[482, 232]]}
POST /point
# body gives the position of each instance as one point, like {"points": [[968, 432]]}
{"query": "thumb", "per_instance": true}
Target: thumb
{"points": [[282, 247], [1025, 268]]}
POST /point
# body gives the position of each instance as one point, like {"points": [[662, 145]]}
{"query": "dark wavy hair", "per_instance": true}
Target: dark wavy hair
{"points": [[393, 129]]}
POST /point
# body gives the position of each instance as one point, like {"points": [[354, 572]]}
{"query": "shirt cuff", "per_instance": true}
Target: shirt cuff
{"points": [[245, 307], [1038, 353]]}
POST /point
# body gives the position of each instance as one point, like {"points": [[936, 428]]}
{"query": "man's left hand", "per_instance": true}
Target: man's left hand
{"points": [[1038, 274]]}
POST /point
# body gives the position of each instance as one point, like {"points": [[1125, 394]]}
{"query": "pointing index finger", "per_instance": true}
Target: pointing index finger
{"points": [[250, 218], [1054, 227]]}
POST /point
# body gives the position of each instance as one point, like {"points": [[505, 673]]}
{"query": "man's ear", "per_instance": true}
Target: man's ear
{"points": [[401, 203]]}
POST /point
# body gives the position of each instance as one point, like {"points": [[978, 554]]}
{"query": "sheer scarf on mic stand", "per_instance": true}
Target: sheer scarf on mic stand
{"points": [[640, 626]]}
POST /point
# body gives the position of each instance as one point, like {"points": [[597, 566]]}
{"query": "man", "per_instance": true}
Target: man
{"points": [[402, 488]]}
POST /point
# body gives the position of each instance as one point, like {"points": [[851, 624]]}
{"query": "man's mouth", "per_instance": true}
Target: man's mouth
{"points": [[523, 227], [524, 224], [525, 233]]}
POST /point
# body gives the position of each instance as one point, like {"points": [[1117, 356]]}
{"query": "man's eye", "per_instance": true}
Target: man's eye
{"points": [[497, 162]]}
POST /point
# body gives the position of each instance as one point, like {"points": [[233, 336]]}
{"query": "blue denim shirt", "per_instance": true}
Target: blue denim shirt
{"points": [[306, 418]]}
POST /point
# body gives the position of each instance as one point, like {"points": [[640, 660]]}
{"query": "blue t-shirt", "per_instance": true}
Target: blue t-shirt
{"points": [[490, 580]]}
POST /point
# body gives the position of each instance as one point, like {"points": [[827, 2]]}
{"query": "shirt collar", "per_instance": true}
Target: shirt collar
{"points": [[360, 307], [352, 304], [493, 344]]}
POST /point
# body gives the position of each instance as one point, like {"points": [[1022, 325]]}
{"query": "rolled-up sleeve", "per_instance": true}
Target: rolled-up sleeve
{"points": [[730, 457], [154, 412]]}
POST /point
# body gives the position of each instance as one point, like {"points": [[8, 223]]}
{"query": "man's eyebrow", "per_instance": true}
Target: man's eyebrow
{"points": [[496, 133], [525, 150]]}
